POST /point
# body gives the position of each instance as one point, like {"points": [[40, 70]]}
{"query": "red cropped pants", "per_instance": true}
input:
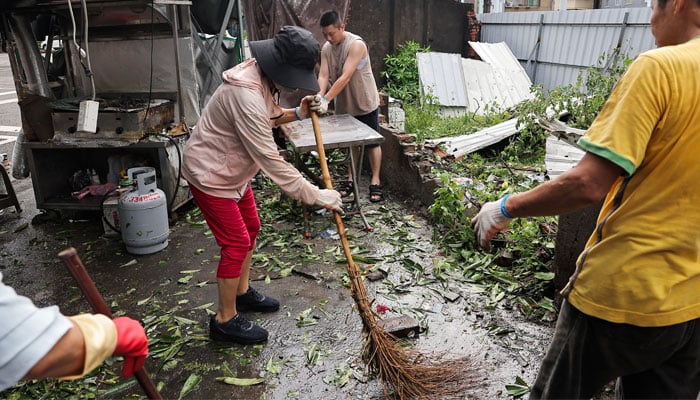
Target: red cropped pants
{"points": [[235, 225]]}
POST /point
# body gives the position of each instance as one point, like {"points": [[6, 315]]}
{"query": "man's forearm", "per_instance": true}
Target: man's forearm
{"points": [[64, 359], [584, 185], [557, 197], [337, 87]]}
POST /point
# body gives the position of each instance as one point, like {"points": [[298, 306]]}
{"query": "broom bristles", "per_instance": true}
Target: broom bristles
{"points": [[406, 373]]}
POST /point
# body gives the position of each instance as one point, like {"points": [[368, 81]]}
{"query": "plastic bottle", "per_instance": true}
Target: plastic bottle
{"points": [[94, 178]]}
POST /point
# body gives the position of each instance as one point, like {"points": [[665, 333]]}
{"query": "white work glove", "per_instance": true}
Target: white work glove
{"points": [[330, 199], [318, 104], [489, 221]]}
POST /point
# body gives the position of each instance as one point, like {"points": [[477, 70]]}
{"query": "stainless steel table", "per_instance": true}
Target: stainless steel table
{"points": [[338, 132]]}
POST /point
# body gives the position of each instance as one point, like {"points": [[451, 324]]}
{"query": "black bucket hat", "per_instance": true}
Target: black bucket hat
{"points": [[289, 59]]}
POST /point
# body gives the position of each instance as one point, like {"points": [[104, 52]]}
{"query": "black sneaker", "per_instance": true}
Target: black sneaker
{"points": [[253, 300], [237, 329]]}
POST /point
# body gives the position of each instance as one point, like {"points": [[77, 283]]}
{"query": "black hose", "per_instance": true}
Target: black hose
{"points": [[179, 165]]}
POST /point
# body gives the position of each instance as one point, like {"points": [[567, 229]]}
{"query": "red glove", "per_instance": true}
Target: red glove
{"points": [[132, 344]]}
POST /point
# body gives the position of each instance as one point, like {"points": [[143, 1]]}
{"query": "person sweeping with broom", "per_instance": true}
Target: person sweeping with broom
{"points": [[230, 144]]}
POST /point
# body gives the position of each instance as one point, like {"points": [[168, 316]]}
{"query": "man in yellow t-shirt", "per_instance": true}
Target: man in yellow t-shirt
{"points": [[632, 308]]}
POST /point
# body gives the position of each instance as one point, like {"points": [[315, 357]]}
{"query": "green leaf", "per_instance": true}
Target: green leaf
{"points": [[185, 321], [343, 372], [190, 384], [274, 367], [21, 227], [240, 381], [544, 276], [144, 301], [305, 319], [519, 388], [313, 354], [203, 306]]}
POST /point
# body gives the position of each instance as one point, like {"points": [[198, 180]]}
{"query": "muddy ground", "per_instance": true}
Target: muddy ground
{"points": [[315, 339]]}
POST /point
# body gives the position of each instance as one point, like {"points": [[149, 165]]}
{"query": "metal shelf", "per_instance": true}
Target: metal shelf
{"points": [[52, 164]]}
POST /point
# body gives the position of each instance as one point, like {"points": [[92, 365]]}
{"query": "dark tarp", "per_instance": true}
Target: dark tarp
{"points": [[264, 18]]}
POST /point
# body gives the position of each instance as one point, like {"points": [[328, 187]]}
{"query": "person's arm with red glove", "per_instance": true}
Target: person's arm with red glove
{"points": [[132, 344], [93, 338]]}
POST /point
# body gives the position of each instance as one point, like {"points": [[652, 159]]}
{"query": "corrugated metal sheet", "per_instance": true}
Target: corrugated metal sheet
{"points": [[481, 84], [511, 81], [460, 85], [459, 146], [570, 41], [560, 156], [441, 75]]}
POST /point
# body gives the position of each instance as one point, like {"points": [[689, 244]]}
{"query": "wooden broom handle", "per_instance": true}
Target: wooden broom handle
{"points": [[97, 302], [329, 185]]}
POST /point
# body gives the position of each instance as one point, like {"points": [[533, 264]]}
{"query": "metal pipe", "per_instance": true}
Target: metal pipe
{"points": [[48, 52], [239, 38], [176, 38], [37, 81]]}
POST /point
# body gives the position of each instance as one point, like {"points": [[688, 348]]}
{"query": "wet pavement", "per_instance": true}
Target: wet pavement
{"points": [[315, 338]]}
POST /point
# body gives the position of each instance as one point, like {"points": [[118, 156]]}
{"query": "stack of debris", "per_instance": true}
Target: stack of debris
{"points": [[460, 86]]}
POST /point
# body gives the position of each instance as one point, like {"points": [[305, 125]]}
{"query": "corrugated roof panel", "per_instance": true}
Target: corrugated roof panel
{"points": [[461, 84], [560, 156], [458, 146], [442, 73], [481, 84], [512, 81]]}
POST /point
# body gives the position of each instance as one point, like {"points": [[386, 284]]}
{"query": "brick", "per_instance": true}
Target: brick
{"points": [[408, 147], [406, 138], [402, 327]]}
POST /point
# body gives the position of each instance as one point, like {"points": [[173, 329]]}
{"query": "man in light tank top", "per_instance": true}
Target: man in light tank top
{"points": [[346, 77]]}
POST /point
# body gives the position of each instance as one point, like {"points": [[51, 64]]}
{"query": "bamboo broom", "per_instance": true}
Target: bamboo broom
{"points": [[405, 373]]}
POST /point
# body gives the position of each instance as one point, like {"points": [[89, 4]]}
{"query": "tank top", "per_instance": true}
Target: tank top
{"points": [[360, 96]]}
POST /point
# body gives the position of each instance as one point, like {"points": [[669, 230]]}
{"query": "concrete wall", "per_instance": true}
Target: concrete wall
{"points": [[385, 25], [404, 172]]}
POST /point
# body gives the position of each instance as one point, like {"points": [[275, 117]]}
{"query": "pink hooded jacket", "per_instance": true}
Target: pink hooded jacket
{"points": [[233, 140]]}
